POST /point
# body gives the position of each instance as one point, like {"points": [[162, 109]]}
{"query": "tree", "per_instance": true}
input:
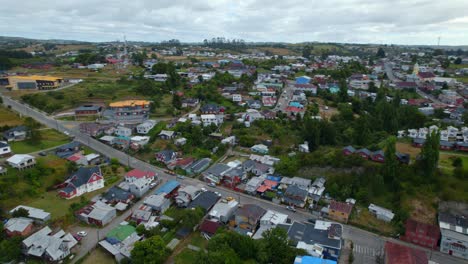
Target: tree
{"points": [[380, 53], [430, 155], [176, 101], [390, 168], [152, 250], [11, 249], [343, 93], [20, 212], [458, 60], [278, 247], [306, 51]]}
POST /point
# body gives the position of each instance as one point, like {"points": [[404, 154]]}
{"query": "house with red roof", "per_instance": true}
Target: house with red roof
{"points": [[399, 254], [136, 174], [209, 227], [340, 211], [421, 234]]}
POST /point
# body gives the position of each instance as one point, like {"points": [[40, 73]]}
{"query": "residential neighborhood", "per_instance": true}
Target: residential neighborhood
{"points": [[175, 151]]}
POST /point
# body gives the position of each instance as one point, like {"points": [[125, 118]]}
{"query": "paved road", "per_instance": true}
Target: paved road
{"points": [[366, 243]]}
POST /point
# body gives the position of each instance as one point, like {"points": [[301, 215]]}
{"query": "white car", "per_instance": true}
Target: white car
{"points": [[82, 233], [219, 195], [211, 184], [204, 189]]}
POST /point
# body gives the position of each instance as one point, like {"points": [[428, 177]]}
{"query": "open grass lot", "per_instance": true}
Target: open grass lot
{"points": [[9, 118], [99, 256], [49, 138], [364, 219], [457, 66], [463, 79]]}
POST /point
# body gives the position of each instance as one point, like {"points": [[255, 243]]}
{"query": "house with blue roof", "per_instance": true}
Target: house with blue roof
{"points": [[312, 260], [296, 104], [168, 188], [303, 80]]}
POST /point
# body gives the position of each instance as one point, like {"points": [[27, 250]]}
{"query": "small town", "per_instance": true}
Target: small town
{"points": [[225, 150]]}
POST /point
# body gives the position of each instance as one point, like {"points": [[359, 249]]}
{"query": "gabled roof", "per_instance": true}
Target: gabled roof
{"points": [[341, 207], [168, 187], [364, 150], [136, 173], [293, 190], [115, 193], [82, 176], [205, 200], [350, 149], [209, 227], [250, 211]]}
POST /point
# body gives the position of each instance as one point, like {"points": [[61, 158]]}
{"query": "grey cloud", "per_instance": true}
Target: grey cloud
{"points": [[386, 21]]}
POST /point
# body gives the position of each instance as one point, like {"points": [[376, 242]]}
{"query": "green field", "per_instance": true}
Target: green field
{"points": [[49, 138], [463, 79], [8, 118], [458, 66]]}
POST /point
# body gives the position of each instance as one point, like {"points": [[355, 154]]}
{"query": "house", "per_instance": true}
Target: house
{"points": [[167, 134], [340, 211], [453, 222], [183, 163], [229, 140], [180, 141], [253, 184], [209, 119], [120, 241], [301, 182], [136, 174], [461, 146], [128, 111], [93, 159], [446, 145], [317, 189], [145, 127], [205, 200], [211, 109], [251, 115], [190, 102], [378, 156], [399, 254], [269, 101], [247, 217], [4, 149], [198, 166], [273, 218], [18, 133], [259, 148], [268, 114], [109, 140], [215, 173], [418, 142], [209, 227], [166, 156], [36, 214], [20, 226], [139, 187], [295, 196], [363, 153], [116, 195], [187, 194], [123, 131], [325, 235], [88, 110], [51, 248], [381, 213], [67, 150], [169, 188], [223, 210], [426, 76], [421, 234], [158, 202], [237, 98], [142, 214], [97, 213], [303, 80], [254, 104], [312, 260], [139, 141], [94, 129], [21, 161], [82, 181]]}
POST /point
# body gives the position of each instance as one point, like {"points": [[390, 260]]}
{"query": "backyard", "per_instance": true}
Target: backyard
{"points": [[48, 138]]}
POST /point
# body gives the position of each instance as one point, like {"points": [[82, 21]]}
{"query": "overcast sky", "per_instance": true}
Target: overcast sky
{"points": [[357, 21]]}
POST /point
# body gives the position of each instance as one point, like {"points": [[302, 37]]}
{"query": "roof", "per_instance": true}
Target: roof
{"points": [[82, 175], [296, 191], [217, 169], [36, 77], [312, 260], [205, 200], [308, 233], [88, 108], [274, 217], [100, 210], [341, 207], [426, 75], [156, 200], [121, 232], [115, 193], [251, 211], [199, 164], [454, 213], [364, 150], [18, 158], [136, 173], [399, 254], [422, 228], [33, 212], [130, 103], [168, 187], [18, 224], [381, 210], [301, 181], [209, 227], [222, 208]]}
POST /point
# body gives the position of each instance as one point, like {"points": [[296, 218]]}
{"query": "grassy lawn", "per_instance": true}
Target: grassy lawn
{"points": [[185, 257], [463, 79], [198, 240], [164, 104], [9, 118], [99, 256], [49, 138], [366, 220]]}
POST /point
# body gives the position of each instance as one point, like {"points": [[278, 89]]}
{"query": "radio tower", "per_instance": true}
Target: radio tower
{"points": [[438, 41]]}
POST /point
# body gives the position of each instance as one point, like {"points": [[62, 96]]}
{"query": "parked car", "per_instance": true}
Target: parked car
{"points": [[212, 184], [219, 195], [204, 189], [42, 153], [291, 208], [180, 177], [153, 184], [82, 233]]}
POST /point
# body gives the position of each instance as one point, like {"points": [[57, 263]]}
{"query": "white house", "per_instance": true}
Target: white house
{"points": [[223, 210], [139, 187], [186, 194], [237, 98], [145, 127], [82, 181], [209, 119], [229, 140], [140, 140], [158, 202], [123, 131], [381, 213], [21, 161], [4, 148]]}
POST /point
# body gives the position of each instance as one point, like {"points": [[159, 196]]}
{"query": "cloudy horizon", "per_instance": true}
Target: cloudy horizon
{"points": [[418, 22]]}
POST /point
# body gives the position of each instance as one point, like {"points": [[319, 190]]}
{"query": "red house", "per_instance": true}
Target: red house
{"points": [[364, 153], [349, 150], [399, 254], [421, 234], [378, 156]]}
